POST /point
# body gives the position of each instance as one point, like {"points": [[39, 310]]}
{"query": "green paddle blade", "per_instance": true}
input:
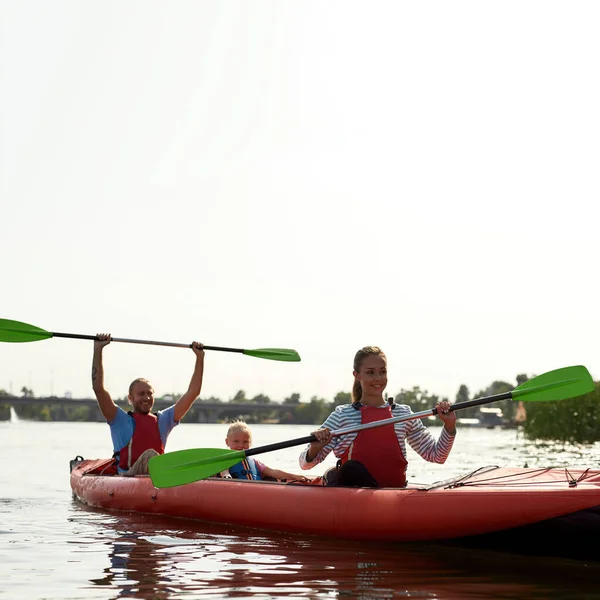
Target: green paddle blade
{"points": [[283, 354], [560, 384], [185, 466], [15, 331]]}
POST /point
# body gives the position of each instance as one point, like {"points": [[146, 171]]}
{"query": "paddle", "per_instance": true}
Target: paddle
{"points": [[186, 466], [15, 331]]}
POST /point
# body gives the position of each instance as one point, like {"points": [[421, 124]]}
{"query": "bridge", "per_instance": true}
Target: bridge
{"points": [[201, 412]]}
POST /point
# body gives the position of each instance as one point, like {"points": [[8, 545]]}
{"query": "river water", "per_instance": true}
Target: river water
{"points": [[52, 547]]}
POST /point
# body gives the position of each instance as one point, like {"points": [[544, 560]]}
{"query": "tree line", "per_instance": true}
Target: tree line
{"points": [[576, 420]]}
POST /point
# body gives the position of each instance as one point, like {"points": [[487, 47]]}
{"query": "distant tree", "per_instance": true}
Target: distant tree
{"points": [[261, 399], [287, 418], [4, 408], [240, 397], [27, 393], [293, 399], [341, 398], [212, 400], [576, 420], [463, 394], [312, 412], [508, 407], [499, 387], [416, 398], [522, 378]]}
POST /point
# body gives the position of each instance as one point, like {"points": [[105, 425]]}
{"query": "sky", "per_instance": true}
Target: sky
{"points": [[311, 175]]}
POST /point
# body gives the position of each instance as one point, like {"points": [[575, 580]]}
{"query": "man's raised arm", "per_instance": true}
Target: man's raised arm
{"points": [[185, 402], [107, 407]]}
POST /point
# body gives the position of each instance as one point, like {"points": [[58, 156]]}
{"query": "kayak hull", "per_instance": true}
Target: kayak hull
{"points": [[480, 503]]}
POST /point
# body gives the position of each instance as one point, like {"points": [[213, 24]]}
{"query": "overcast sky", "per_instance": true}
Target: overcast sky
{"points": [[313, 175]]}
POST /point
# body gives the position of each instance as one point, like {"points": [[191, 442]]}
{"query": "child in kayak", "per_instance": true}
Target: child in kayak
{"points": [[375, 457], [239, 437]]}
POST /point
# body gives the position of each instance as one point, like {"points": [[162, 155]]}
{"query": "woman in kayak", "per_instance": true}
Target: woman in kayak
{"points": [[375, 457], [239, 437]]}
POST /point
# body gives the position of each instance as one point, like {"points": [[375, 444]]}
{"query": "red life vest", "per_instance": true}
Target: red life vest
{"points": [[146, 435], [378, 449]]}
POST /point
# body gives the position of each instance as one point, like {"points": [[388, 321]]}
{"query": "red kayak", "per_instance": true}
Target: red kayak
{"points": [[488, 500]]}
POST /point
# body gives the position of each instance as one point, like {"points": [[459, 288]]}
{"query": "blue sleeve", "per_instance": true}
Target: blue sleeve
{"points": [[121, 429], [166, 422]]}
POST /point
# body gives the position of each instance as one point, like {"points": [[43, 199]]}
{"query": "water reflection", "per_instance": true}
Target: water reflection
{"points": [[134, 569], [161, 558]]}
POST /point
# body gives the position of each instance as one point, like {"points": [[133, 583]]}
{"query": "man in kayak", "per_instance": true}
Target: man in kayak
{"points": [[375, 457], [138, 435], [239, 437]]}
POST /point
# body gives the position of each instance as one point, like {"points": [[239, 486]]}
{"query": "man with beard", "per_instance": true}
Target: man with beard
{"points": [[138, 435]]}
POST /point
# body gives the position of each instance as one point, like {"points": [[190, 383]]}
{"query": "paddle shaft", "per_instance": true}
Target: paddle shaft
{"points": [[78, 336], [418, 415], [16, 331]]}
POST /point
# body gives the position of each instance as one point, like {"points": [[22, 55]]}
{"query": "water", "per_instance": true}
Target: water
{"points": [[52, 547]]}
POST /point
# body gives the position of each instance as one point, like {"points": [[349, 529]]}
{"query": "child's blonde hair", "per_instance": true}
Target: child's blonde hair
{"points": [[239, 426]]}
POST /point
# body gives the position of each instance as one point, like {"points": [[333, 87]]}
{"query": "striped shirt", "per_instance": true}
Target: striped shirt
{"points": [[417, 435]]}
